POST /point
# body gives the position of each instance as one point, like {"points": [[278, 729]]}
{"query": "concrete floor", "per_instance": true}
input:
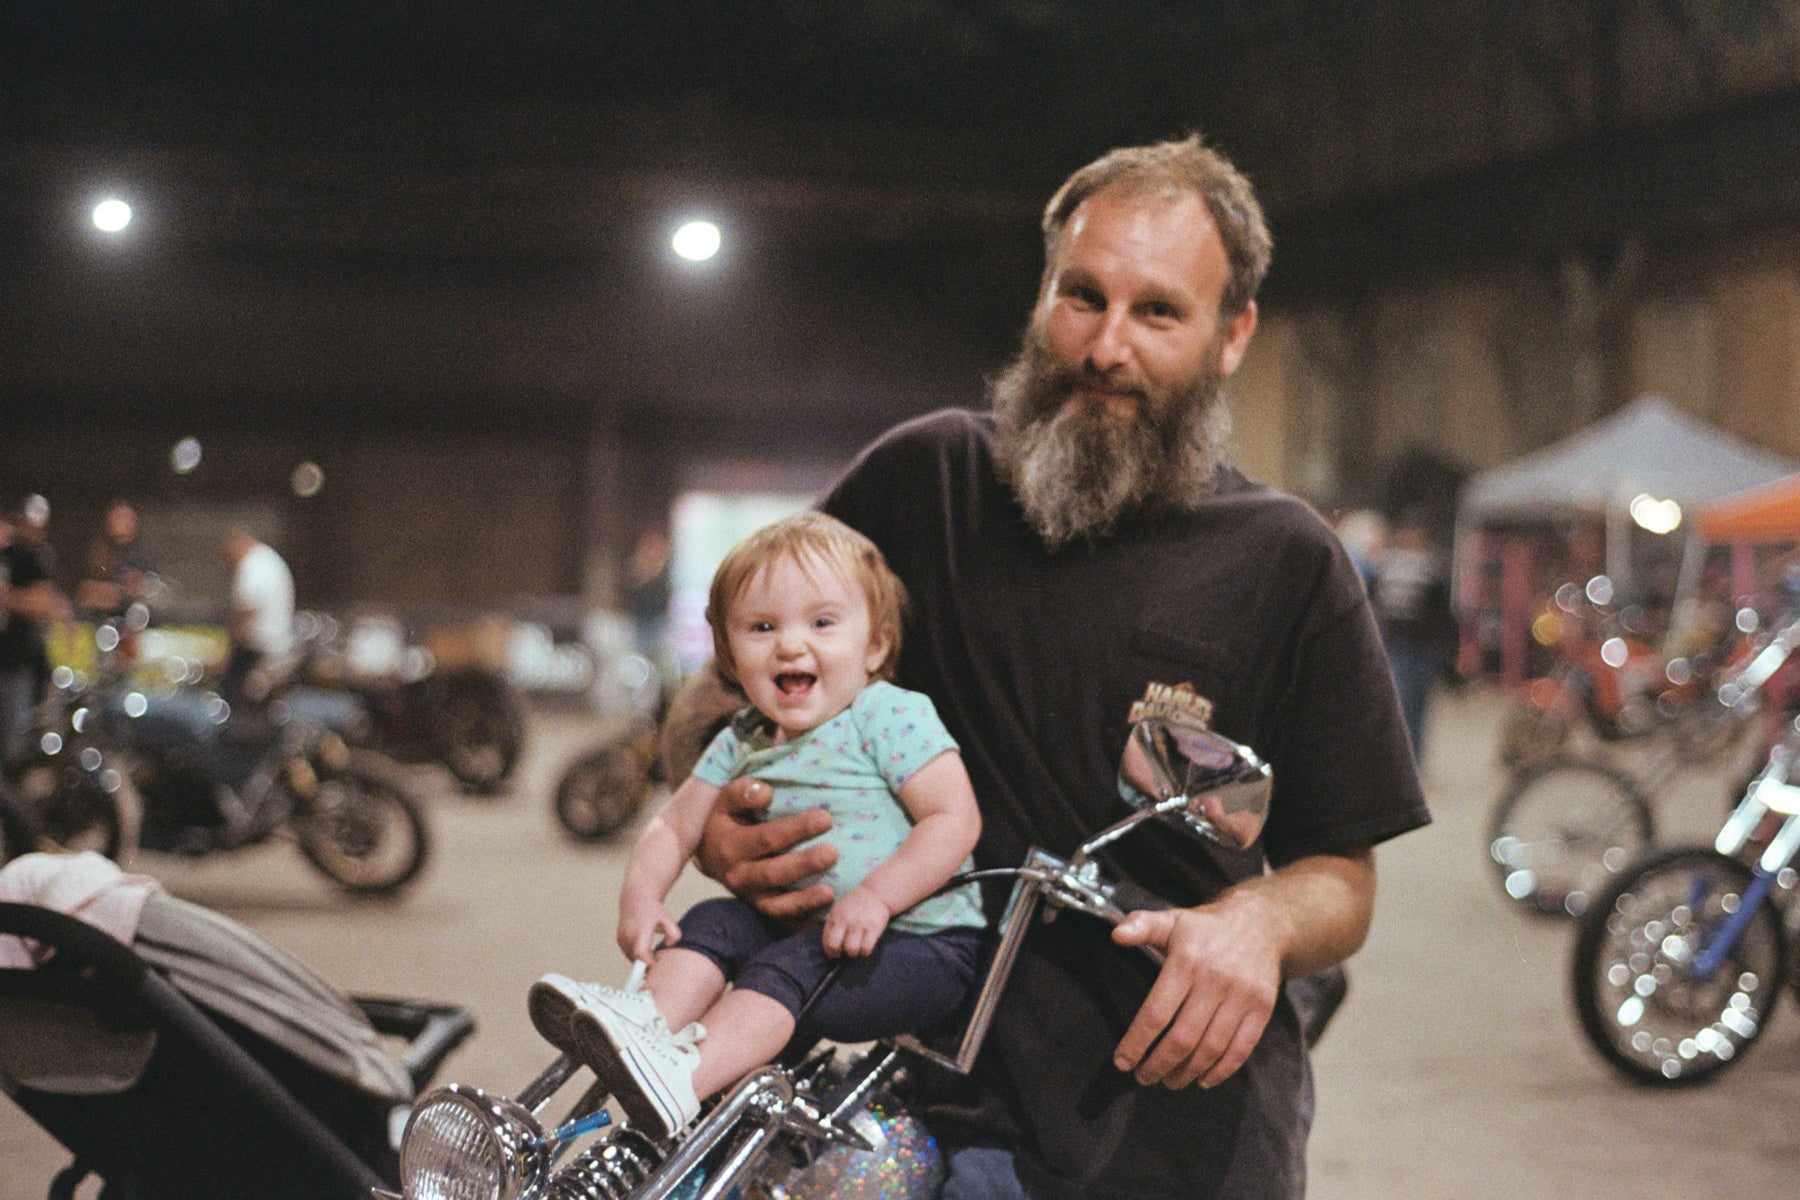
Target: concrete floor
{"points": [[1455, 1069]]}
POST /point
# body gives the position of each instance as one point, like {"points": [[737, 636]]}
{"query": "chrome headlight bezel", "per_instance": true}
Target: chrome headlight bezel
{"points": [[463, 1144]]}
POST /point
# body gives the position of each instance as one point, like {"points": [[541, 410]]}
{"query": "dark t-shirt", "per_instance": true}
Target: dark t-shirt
{"points": [[1034, 659], [22, 640]]}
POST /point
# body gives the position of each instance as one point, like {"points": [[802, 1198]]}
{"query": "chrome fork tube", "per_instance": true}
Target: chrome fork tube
{"points": [[764, 1094]]}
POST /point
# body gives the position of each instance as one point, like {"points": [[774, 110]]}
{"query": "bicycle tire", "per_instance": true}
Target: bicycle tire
{"points": [[1638, 1006], [1561, 832]]}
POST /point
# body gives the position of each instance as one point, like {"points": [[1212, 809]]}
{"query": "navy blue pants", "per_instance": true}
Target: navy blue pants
{"points": [[911, 982]]}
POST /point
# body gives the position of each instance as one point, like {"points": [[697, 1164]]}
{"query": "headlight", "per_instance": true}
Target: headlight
{"points": [[462, 1144]]}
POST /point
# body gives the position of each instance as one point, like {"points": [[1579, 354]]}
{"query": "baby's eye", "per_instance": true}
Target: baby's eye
{"points": [[824, 622], [760, 627]]}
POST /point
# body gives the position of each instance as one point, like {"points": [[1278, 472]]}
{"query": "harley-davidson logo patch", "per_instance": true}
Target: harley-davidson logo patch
{"points": [[1176, 703]]}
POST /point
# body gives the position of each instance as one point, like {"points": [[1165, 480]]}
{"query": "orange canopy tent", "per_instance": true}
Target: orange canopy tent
{"points": [[1770, 513]]}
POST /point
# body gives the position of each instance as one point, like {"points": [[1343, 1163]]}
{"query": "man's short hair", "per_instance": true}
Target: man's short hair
{"points": [[1188, 165], [813, 540]]}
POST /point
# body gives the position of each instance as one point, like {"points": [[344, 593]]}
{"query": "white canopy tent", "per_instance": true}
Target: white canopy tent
{"points": [[1649, 447]]}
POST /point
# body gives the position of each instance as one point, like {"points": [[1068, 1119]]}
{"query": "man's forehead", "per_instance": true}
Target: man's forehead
{"points": [[1163, 226], [1159, 201]]}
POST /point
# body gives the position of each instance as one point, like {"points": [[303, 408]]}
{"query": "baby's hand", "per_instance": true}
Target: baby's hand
{"points": [[639, 925], [855, 924]]}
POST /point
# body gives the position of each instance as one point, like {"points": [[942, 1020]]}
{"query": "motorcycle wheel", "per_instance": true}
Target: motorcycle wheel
{"points": [[71, 809], [1639, 1003], [601, 792], [363, 829], [482, 731], [1559, 833]]}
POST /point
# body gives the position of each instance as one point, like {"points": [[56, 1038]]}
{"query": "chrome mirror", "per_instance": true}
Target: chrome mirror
{"points": [[1199, 779]]}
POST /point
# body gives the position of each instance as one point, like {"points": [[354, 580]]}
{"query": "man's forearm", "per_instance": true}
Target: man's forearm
{"points": [[1321, 906]]}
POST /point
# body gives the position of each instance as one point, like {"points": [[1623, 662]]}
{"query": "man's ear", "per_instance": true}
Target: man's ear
{"points": [[1237, 339]]}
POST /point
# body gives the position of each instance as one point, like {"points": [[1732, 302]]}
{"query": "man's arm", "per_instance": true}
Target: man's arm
{"points": [[39, 601], [1224, 963]]}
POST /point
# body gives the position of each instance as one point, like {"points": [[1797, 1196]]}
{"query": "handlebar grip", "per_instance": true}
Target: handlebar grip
{"points": [[1132, 898]]}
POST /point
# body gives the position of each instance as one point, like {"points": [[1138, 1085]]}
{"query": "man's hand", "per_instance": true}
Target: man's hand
{"points": [[855, 924], [755, 859], [1209, 1006], [1223, 963]]}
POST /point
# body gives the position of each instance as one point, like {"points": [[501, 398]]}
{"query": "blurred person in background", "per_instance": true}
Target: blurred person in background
{"points": [[1363, 532], [118, 574], [647, 591], [1411, 595], [261, 623], [32, 601]]}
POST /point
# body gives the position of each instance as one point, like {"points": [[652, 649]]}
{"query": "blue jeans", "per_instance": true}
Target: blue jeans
{"points": [[981, 1173]]}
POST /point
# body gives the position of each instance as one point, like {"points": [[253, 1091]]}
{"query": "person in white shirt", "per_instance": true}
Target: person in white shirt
{"points": [[262, 617]]}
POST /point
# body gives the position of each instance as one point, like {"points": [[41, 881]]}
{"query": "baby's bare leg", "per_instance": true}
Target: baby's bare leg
{"points": [[744, 1030], [684, 984]]}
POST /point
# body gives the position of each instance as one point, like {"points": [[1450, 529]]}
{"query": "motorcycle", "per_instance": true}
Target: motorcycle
{"points": [[67, 791], [1605, 678], [604, 788], [168, 767], [1679, 961], [470, 721], [823, 1121]]}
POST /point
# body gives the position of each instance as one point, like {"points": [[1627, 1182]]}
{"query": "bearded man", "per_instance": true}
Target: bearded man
{"points": [[1079, 545]]}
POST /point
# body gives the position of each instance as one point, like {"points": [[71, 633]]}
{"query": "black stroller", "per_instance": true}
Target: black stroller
{"points": [[167, 1097]]}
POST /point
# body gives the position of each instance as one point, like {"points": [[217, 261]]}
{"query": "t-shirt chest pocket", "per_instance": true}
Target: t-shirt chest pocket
{"points": [[1161, 657]]}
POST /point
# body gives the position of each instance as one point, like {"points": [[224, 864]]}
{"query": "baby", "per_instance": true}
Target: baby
{"points": [[806, 620]]}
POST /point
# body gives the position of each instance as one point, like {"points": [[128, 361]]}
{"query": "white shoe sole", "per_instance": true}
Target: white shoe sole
{"points": [[651, 1107], [552, 1006]]}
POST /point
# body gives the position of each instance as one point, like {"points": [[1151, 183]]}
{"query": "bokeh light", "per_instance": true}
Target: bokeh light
{"points": [[112, 215], [308, 480], [185, 456], [697, 241]]}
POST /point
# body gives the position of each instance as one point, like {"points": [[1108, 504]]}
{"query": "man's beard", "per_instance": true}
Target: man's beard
{"points": [[1079, 469]]}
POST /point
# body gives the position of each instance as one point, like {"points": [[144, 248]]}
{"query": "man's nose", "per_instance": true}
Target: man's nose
{"points": [[1109, 347]]}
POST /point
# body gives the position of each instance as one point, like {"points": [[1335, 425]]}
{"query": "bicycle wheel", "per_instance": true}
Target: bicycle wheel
{"points": [[601, 792], [1641, 1003], [1531, 736], [1561, 832]]}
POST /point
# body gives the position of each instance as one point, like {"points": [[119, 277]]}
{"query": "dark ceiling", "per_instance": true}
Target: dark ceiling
{"points": [[383, 209]]}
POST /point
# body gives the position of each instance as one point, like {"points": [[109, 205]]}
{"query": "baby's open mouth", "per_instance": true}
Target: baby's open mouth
{"points": [[792, 683]]}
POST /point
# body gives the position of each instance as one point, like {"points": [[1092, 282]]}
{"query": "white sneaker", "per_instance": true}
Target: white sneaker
{"points": [[649, 1069], [553, 999]]}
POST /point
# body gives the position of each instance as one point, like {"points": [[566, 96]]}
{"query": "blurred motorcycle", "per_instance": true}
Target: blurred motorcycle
{"points": [[1605, 678], [470, 721], [125, 759], [819, 1123], [210, 781]]}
